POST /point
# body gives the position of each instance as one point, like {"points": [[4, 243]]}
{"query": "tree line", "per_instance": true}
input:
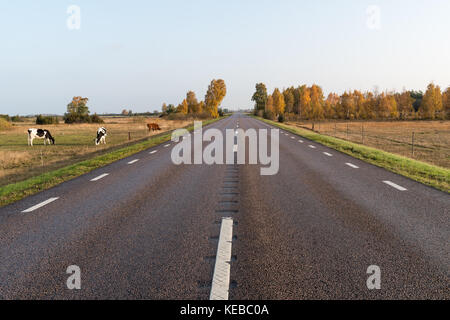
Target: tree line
{"points": [[309, 103], [215, 94]]}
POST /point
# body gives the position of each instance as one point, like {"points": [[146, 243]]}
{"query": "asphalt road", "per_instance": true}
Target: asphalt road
{"points": [[150, 230]]}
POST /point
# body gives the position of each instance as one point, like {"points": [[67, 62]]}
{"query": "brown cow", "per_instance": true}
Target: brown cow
{"points": [[153, 127]]}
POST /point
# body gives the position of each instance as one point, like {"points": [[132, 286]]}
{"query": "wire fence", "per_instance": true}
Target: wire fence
{"points": [[425, 141]]}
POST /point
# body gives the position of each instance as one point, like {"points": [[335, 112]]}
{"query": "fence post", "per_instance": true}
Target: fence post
{"points": [[347, 130], [412, 145], [313, 126], [129, 136], [335, 129], [362, 133]]}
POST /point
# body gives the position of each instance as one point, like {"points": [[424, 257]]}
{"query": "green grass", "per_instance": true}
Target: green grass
{"points": [[16, 191], [425, 173]]}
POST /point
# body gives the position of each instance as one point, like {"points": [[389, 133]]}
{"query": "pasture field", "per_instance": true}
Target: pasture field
{"points": [[74, 143], [426, 141]]}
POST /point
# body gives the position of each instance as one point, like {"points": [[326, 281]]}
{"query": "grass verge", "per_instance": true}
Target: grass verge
{"points": [[16, 191], [425, 173]]}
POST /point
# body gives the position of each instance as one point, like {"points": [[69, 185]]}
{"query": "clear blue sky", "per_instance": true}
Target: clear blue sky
{"points": [[139, 54]]}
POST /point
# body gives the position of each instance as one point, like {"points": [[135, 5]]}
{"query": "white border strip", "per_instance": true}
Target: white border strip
{"points": [[40, 205], [351, 165], [134, 161], [328, 154], [396, 186], [153, 152], [221, 279], [100, 177]]}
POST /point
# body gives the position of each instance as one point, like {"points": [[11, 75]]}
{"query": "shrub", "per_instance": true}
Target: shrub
{"points": [[46, 120], [4, 125], [96, 119], [16, 119], [5, 117], [281, 118]]}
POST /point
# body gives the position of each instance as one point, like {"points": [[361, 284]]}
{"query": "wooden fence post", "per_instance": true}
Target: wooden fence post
{"points": [[129, 136], [412, 144]]}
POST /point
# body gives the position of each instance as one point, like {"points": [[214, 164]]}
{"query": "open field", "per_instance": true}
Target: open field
{"points": [[435, 176], [427, 141], [74, 143]]}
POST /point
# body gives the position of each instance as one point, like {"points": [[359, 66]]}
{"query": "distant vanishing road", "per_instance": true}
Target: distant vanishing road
{"points": [[144, 228]]}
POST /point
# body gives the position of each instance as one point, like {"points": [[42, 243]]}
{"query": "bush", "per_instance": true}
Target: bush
{"points": [[16, 119], [70, 118], [46, 120], [96, 119], [281, 118], [5, 117], [4, 125]]}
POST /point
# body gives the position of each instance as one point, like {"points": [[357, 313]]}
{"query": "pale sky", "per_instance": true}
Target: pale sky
{"points": [[139, 54]]}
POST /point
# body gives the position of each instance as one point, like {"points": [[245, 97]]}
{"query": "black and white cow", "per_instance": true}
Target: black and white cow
{"points": [[40, 134], [101, 136]]}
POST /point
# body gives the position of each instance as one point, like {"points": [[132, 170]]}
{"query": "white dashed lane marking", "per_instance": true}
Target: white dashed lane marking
{"points": [[351, 165], [167, 145], [396, 186], [40, 205], [100, 177], [312, 147], [301, 141], [153, 152], [133, 161], [221, 279], [328, 154]]}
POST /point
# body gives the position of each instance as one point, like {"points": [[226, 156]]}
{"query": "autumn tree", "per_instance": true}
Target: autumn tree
{"points": [[304, 106], [260, 97], [269, 112], [183, 107], [446, 102], [288, 95], [431, 106], [317, 101], [404, 104], [192, 102], [217, 91], [278, 102]]}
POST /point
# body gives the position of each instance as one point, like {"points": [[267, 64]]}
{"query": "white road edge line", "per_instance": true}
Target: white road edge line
{"points": [[396, 186], [133, 161], [301, 141], [352, 165], [221, 280], [100, 177], [328, 154], [312, 147], [153, 152], [40, 205]]}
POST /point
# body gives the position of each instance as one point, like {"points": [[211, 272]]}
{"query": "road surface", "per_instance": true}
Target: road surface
{"points": [[144, 228]]}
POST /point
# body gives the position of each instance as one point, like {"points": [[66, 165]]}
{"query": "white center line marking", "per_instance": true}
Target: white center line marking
{"points": [[351, 165], [133, 161], [40, 205], [221, 279], [396, 186], [100, 177], [153, 152], [311, 146], [328, 154]]}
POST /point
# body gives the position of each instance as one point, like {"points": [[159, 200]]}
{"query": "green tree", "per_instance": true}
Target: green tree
{"points": [[260, 97]]}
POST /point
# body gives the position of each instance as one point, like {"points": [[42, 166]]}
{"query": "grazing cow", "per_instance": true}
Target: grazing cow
{"points": [[40, 134], [153, 127], [101, 136]]}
